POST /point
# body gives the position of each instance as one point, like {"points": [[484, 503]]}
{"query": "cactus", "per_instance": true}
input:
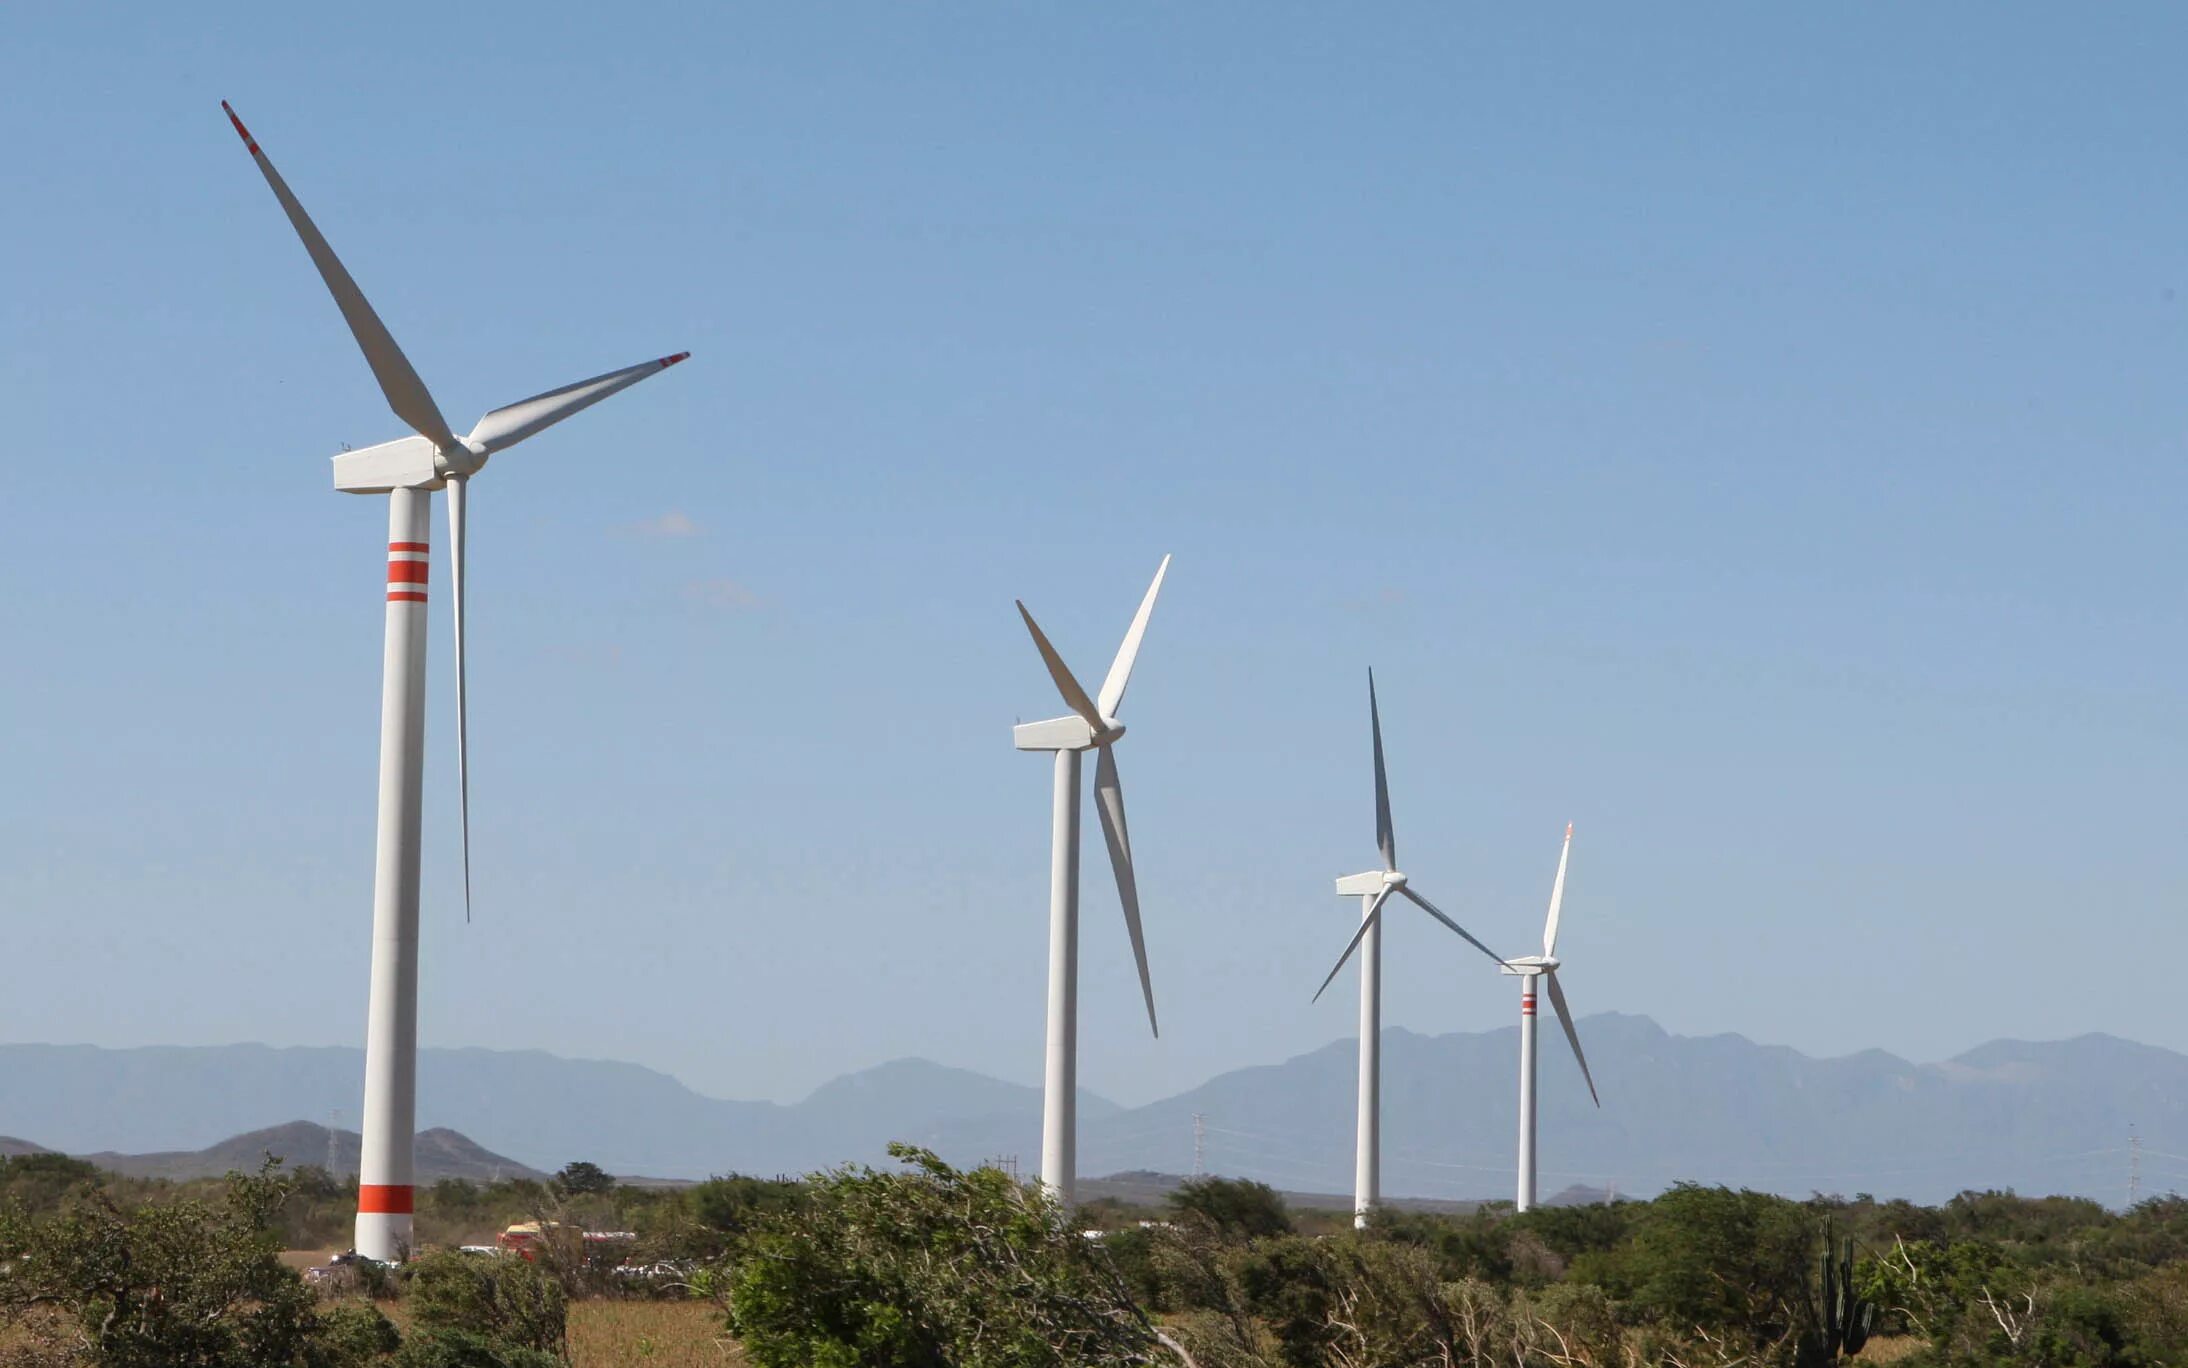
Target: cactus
{"points": [[1844, 1318]]}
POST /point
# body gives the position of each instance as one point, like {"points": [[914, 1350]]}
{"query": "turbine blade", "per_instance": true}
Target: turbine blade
{"points": [[1557, 897], [505, 427], [457, 487], [1061, 673], [406, 393], [1375, 910], [1109, 802], [1430, 909], [1385, 839], [1120, 669], [1565, 1019]]}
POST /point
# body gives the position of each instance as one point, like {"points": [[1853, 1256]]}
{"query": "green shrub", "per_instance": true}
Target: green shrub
{"points": [[928, 1267], [178, 1285], [353, 1334], [508, 1302]]}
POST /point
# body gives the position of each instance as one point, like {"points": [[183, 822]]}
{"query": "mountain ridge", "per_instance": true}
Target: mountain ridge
{"points": [[2037, 1115]]}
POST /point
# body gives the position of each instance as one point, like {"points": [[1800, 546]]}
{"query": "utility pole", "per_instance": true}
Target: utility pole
{"points": [[1200, 1144]]}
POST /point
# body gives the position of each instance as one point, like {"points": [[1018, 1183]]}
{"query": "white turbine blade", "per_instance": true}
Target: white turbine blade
{"points": [[1385, 839], [1430, 909], [1109, 802], [1061, 673], [1120, 669], [1557, 897], [1565, 1019], [505, 427], [1375, 909], [406, 393], [457, 486]]}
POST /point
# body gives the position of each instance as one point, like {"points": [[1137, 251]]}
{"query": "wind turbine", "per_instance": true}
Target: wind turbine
{"points": [[1529, 968], [1373, 889], [408, 470], [1092, 725]]}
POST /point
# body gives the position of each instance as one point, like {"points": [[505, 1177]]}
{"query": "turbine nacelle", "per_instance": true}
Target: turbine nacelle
{"points": [[1368, 884], [406, 463], [1071, 733], [1530, 965]]}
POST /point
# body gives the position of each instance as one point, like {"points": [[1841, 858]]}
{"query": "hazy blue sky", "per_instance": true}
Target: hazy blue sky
{"points": [[1753, 435]]}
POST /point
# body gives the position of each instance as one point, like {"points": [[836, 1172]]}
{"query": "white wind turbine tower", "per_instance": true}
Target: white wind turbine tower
{"points": [[1373, 889], [1529, 968], [1092, 725], [408, 470]]}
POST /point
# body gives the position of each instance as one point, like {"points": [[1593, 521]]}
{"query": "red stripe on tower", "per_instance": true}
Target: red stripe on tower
{"points": [[406, 572], [385, 1199], [1527, 1004], [407, 546]]}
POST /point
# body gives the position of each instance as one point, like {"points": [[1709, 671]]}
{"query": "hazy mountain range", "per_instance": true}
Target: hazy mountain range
{"points": [[2039, 1117], [438, 1153]]}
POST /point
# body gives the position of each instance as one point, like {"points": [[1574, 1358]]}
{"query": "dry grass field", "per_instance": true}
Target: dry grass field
{"points": [[1892, 1348], [628, 1334], [603, 1334]]}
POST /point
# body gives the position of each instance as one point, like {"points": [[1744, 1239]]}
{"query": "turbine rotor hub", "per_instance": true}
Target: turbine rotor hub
{"points": [[460, 459]]}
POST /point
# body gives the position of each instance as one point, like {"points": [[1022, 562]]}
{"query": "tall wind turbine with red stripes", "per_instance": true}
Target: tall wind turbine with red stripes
{"points": [[408, 470], [1529, 968], [1373, 889]]}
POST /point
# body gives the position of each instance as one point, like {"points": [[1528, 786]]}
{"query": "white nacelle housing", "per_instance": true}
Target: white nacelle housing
{"points": [[403, 464], [1055, 734]]}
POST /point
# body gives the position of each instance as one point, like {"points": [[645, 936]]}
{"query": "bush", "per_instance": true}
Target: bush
{"points": [[929, 1267], [354, 1333], [181, 1285], [507, 1303]]}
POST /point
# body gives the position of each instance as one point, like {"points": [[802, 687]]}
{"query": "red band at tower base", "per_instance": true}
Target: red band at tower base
{"points": [[385, 1199]]}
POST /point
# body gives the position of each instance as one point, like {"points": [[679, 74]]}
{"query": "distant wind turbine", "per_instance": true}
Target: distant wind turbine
{"points": [[1529, 968], [1373, 889], [1091, 725], [408, 470]]}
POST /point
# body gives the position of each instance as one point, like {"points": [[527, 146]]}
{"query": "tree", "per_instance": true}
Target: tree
{"points": [[732, 1204], [582, 1178], [1727, 1264], [1234, 1206], [925, 1268], [39, 1181]]}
